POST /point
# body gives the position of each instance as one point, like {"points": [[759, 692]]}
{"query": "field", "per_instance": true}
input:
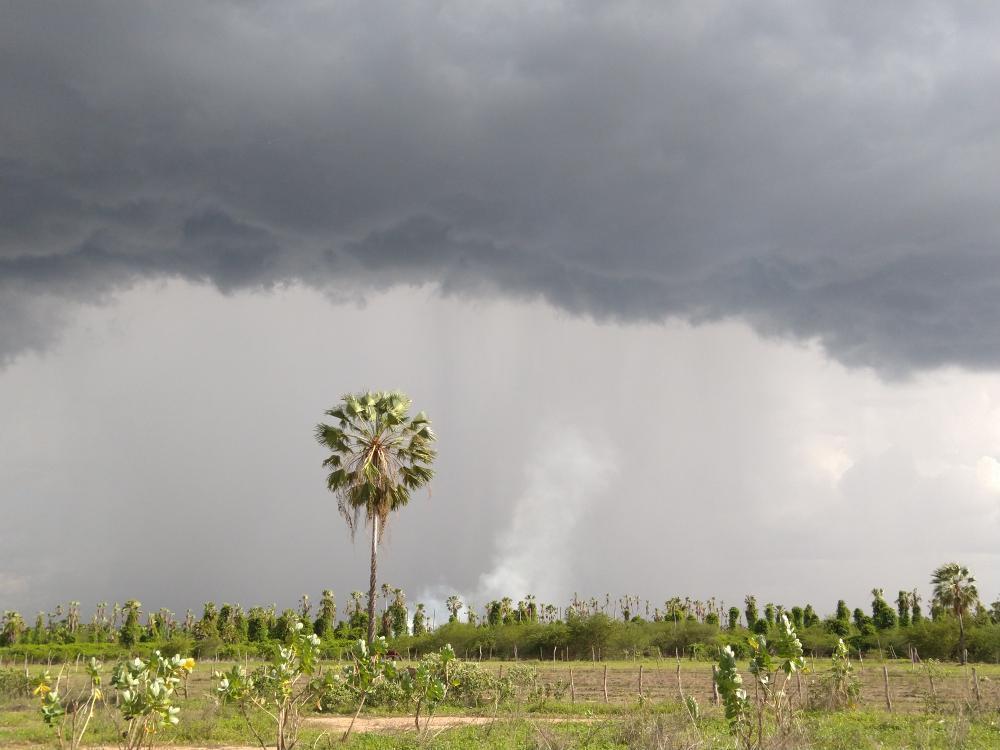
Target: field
{"points": [[933, 706]]}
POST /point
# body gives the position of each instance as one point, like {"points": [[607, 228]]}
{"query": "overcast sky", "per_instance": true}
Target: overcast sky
{"points": [[702, 298]]}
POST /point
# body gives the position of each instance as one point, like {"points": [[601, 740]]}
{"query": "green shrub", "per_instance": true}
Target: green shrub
{"points": [[14, 683]]}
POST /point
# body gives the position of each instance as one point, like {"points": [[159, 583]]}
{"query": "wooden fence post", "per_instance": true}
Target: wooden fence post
{"points": [[572, 687], [975, 681], [715, 685], [640, 680], [885, 678], [606, 683]]}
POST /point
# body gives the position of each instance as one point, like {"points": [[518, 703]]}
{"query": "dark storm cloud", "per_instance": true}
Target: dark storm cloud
{"points": [[822, 170]]}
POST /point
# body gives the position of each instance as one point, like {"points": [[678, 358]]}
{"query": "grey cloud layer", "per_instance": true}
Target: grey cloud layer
{"points": [[823, 170]]}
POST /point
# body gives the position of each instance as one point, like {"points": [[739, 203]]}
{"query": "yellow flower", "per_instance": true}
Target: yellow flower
{"points": [[42, 689], [188, 664]]}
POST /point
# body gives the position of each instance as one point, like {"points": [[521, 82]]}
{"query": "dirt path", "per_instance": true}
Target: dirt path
{"points": [[405, 723], [391, 723], [365, 724]]}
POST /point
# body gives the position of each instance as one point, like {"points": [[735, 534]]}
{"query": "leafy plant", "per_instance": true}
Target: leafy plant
{"points": [[693, 709], [427, 684], [369, 670], [145, 697], [734, 700], [750, 722], [69, 714], [840, 688], [277, 689]]}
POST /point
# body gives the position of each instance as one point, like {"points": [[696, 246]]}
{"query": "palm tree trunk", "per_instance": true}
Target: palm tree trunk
{"points": [[372, 583], [961, 639]]}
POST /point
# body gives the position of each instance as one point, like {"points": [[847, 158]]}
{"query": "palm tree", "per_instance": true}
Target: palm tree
{"points": [[454, 604], [955, 589], [378, 455]]}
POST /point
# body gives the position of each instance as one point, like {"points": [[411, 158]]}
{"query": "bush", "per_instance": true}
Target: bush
{"points": [[178, 644], [209, 647], [14, 684], [58, 653]]}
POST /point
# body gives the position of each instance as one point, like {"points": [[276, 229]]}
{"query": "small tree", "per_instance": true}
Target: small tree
{"points": [[751, 611], [734, 618], [797, 617], [809, 616], [883, 616], [454, 605], [769, 613], [398, 612], [916, 614], [131, 630], [419, 620], [903, 608], [326, 620]]}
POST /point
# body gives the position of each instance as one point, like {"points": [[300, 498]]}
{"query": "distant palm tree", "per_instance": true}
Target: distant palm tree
{"points": [[378, 455], [955, 589], [454, 604]]}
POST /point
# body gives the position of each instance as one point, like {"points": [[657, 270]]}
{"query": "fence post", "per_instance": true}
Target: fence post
{"points": [[606, 683], [572, 687], [715, 685], [640, 680], [975, 681], [885, 677]]}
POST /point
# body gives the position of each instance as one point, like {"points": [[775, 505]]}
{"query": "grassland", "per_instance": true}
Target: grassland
{"points": [[933, 706]]}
